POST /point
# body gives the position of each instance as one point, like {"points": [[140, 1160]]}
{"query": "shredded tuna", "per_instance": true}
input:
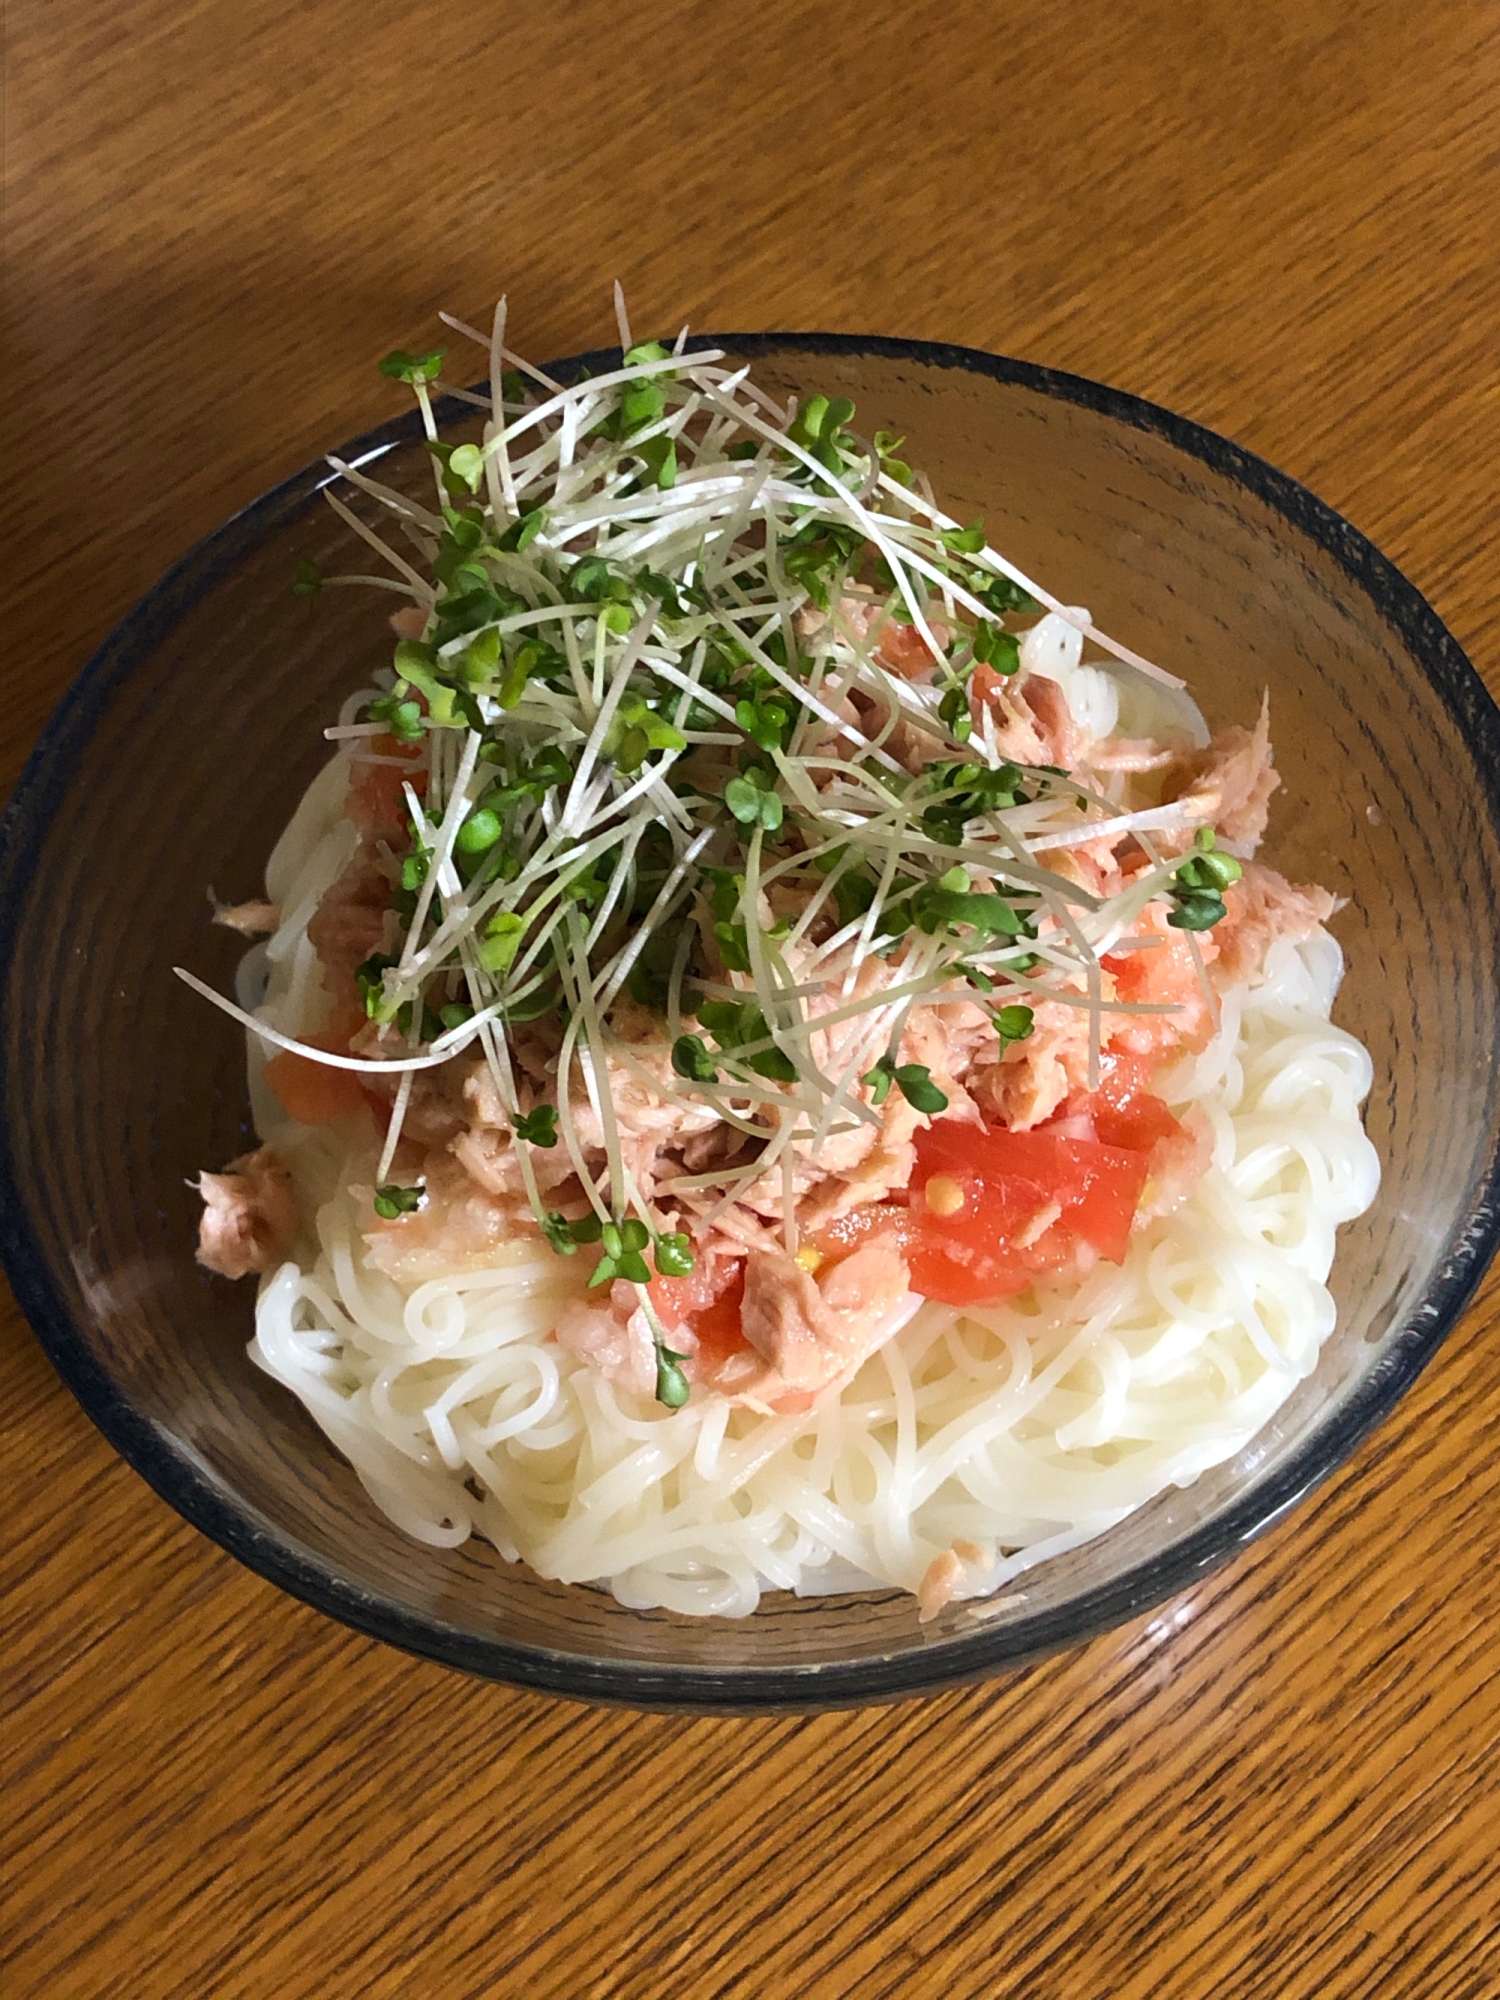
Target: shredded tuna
{"points": [[249, 1215], [722, 1145], [249, 919], [939, 1585], [410, 622], [866, 1161], [351, 922], [620, 1348], [1131, 756], [1029, 715], [850, 1170], [487, 1153], [647, 1120], [1229, 785], [435, 1108], [805, 1333], [1033, 1078], [903, 649], [1263, 906], [1094, 865], [650, 1122], [900, 647]]}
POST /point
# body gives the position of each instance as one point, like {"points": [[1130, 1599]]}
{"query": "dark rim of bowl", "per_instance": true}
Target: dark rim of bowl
{"points": [[968, 1656]]}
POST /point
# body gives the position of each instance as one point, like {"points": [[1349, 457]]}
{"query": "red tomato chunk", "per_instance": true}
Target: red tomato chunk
{"points": [[989, 1211], [708, 1300], [1123, 1110], [315, 1092]]}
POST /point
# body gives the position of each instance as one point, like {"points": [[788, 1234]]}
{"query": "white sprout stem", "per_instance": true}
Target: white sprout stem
{"points": [[429, 425], [396, 503], [444, 1049], [592, 390], [790, 1039], [440, 847], [572, 815], [420, 588], [365, 583], [623, 964], [991, 559], [497, 462], [718, 533], [393, 1128], [576, 974], [518, 621]]}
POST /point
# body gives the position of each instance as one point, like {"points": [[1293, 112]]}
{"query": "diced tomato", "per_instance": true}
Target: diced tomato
{"points": [[1139, 975], [903, 649], [959, 1270], [1007, 1182], [315, 1092], [1132, 971], [977, 1223], [1166, 975], [1124, 1111], [707, 1300], [718, 1327], [984, 688]]}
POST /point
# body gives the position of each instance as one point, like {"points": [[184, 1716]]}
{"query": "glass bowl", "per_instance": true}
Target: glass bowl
{"points": [[176, 758]]}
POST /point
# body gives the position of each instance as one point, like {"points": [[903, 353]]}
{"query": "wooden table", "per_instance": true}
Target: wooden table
{"points": [[1270, 217]]}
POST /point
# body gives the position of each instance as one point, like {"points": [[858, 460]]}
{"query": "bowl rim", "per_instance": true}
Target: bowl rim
{"points": [[984, 1650]]}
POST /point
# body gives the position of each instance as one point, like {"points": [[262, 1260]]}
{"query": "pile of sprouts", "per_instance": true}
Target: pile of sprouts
{"points": [[629, 704]]}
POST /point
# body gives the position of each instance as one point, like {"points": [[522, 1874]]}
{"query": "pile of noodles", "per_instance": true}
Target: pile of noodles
{"points": [[1014, 1431]]}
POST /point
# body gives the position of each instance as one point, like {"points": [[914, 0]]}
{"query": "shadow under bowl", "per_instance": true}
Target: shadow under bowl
{"points": [[178, 755]]}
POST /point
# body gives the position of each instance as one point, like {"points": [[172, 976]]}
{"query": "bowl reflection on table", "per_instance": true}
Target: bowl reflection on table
{"points": [[179, 755]]}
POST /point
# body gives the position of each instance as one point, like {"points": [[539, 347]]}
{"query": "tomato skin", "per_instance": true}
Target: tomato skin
{"points": [[903, 649], [314, 1092], [718, 1326], [708, 1302], [1124, 1111], [1008, 1179]]}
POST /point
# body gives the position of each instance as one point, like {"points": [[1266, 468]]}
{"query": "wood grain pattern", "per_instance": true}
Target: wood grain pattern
{"points": [[1277, 219]]}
